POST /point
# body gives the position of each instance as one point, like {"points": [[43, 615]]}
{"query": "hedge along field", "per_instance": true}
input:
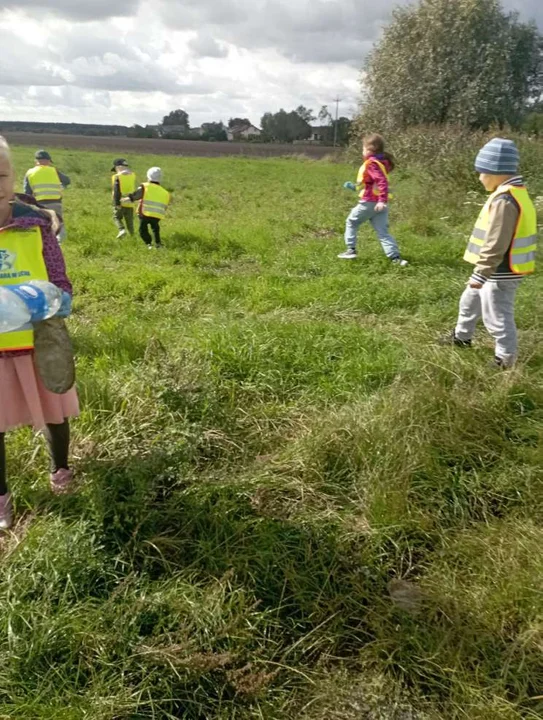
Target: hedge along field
{"points": [[293, 502]]}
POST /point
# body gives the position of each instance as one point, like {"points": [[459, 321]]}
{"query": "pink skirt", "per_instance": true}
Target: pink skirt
{"points": [[24, 400]]}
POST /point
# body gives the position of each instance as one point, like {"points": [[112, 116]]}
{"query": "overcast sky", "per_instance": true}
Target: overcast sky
{"points": [[126, 61]]}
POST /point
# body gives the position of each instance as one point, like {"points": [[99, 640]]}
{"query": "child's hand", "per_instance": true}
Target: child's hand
{"points": [[350, 186], [380, 206], [125, 200], [65, 306], [475, 285]]}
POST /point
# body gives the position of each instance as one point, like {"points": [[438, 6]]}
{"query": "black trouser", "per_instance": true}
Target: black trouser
{"points": [[58, 439], [145, 235]]}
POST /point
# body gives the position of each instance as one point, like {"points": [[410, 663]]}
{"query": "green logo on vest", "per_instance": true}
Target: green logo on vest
{"points": [[7, 260]]}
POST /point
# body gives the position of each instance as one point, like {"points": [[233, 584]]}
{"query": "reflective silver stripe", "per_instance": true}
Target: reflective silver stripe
{"points": [[523, 258], [160, 210], [154, 203], [479, 234], [473, 249], [524, 242], [39, 190]]}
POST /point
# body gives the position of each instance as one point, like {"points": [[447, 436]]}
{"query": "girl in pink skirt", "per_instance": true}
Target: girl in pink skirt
{"points": [[29, 250]]}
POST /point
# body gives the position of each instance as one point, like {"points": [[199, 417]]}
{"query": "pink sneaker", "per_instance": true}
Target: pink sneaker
{"points": [[6, 512], [61, 481]]}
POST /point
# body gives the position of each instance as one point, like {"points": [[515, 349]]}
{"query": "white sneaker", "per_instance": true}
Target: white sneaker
{"points": [[349, 254], [121, 234], [400, 262]]}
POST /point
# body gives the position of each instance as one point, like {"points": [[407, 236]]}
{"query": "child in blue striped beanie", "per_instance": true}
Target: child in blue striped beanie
{"points": [[502, 247]]}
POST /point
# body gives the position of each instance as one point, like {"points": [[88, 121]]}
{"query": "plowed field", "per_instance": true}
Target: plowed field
{"points": [[151, 146]]}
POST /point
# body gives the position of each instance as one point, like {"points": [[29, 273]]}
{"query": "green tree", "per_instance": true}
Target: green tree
{"points": [[285, 126], [214, 131], [178, 118], [533, 123], [461, 61], [305, 113], [236, 122], [325, 116], [343, 130], [142, 132]]}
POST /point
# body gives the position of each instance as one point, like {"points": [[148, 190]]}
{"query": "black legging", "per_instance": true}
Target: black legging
{"points": [[154, 224], [58, 439]]}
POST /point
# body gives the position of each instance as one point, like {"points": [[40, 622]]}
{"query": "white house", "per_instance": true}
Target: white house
{"points": [[242, 132]]}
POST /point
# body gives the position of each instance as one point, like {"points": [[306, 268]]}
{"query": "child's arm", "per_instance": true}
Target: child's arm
{"points": [[54, 260], [27, 189], [116, 192], [64, 179], [359, 181], [135, 196], [504, 214]]}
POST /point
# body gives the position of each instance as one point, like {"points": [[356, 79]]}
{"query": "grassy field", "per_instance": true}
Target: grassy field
{"points": [[293, 502]]}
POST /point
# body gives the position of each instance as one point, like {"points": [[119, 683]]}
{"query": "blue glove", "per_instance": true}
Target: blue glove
{"points": [[65, 306], [350, 186]]}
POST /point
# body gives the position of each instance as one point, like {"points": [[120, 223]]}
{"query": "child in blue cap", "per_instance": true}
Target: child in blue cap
{"points": [[502, 247]]}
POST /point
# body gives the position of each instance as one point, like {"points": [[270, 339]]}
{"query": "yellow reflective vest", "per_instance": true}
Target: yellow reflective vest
{"points": [[21, 260], [520, 258], [155, 201], [362, 174], [45, 183], [127, 183]]}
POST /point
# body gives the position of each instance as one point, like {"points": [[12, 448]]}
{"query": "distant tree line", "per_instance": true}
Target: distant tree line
{"points": [[296, 126], [63, 128], [285, 127]]}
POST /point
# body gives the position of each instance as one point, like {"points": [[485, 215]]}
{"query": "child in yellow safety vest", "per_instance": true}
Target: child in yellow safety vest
{"points": [[29, 251], [153, 203], [502, 247], [46, 185], [372, 207], [123, 182]]}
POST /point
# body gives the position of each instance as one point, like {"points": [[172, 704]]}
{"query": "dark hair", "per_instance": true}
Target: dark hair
{"points": [[376, 144]]}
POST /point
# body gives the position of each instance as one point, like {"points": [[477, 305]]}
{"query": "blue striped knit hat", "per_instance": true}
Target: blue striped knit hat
{"points": [[498, 157]]}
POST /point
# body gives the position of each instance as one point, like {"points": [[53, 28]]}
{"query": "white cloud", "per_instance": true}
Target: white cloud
{"points": [[303, 30], [61, 60], [205, 45], [75, 9]]}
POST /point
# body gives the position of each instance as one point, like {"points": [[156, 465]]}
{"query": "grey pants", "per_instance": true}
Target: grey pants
{"points": [[495, 303], [56, 206], [125, 214]]}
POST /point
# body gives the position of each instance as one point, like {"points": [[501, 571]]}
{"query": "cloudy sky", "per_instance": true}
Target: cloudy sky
{"points": [[130, 61]]}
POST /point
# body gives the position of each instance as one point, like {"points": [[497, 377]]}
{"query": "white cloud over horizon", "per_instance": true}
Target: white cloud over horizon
{"points": [[130, 62]]}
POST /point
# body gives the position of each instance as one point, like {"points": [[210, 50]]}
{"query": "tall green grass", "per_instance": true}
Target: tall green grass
{"points": [[268, 438]]}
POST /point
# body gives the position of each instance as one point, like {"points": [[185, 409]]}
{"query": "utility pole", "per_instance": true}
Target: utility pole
{"points": [[337, 101]]}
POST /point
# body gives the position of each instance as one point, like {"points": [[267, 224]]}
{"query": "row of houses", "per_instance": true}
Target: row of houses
{"points": [[236, 132], [243, 132], [240, 132]]}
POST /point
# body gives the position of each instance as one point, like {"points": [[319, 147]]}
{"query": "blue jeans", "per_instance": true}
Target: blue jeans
{"points": [[366, 211]]}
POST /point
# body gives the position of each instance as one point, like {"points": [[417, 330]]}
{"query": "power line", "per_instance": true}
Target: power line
{"points": [[337, 101]]}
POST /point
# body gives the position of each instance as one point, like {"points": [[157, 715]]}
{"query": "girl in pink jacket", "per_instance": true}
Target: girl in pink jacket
{"points": [[373, 204]]}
